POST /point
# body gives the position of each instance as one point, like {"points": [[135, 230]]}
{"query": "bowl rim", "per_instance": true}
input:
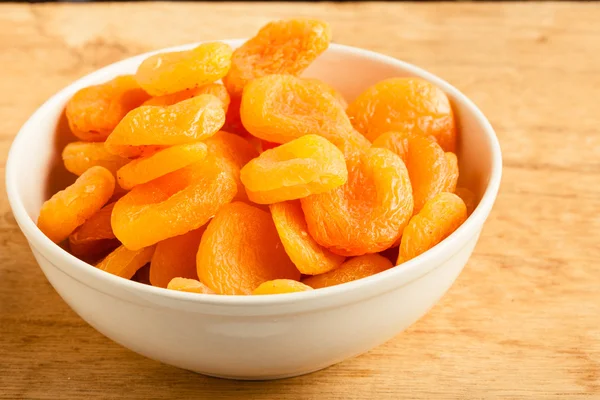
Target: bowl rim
{"points": [[378, 284]]}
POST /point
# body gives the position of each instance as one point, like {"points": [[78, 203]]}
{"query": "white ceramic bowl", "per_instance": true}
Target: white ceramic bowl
{"points": [[255, 337]]}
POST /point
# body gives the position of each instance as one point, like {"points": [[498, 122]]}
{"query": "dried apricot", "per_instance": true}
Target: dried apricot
{"points": [[404, 104], [167, 73], [351, 270], [369, 212], [189, 285], [309, 257], [185, 122], [93, 112], [280, 47], [304, 166], [236, 151], [124, 262], [240, 250], [173, 204], [171, 159], [95, 237], [175, 258], [215, 89], [78, 157], [437, 220], [468, 197], [281, 108], [279, 286], [428, 169], [70, 208], [451, 172]]}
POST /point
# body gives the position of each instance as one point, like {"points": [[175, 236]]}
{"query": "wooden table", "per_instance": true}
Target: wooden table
{"points": [[522, 321]]}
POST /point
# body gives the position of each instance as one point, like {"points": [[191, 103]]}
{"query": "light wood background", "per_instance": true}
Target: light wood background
{"points": [[522, 321]]}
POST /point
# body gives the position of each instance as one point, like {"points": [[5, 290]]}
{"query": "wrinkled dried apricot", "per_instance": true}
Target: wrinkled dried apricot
{"points": [[175, 258], [189, 285], [240, 249], [468, 197], [351, 270], [173, 204], [71, 207], [369, 212], [167, 73], [171, 159], [93, 112], [185, 122], [124, 262], [304, 166], [78, 157], [437, 220], [279, 286], [309, 257], [404, 104], [236, 151], [215, 89], [451, 172], [95, 237], [280, 47], [281, 108], [430, 170]]}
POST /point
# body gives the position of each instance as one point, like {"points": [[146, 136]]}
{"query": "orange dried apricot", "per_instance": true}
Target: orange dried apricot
{"points": [[71, 207], [173, 204], [369, 212], [404, 104], [279, 286], [240, 249], [175, 258], [309, 257], [236, 151], [145, 169], [189, 285], [167, 73], [185, 122], [451, 172], [304, 166], [233, 120], [437, 220], [280, 47], [93, 112], [281, 108], [215, 89], [468, 197], [325, 87], [430, 170], [95, 236], [351, 270], [78, 157], [124, 262]]}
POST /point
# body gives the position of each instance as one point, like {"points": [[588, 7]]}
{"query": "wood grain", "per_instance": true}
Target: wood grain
{"points": [[522, 321]]}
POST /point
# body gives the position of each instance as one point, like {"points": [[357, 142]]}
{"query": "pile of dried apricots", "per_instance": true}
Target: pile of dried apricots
{"points": [[265, 183]]}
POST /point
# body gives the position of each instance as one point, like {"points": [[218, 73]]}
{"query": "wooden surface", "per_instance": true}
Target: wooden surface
{"points": [[522, 321]]}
